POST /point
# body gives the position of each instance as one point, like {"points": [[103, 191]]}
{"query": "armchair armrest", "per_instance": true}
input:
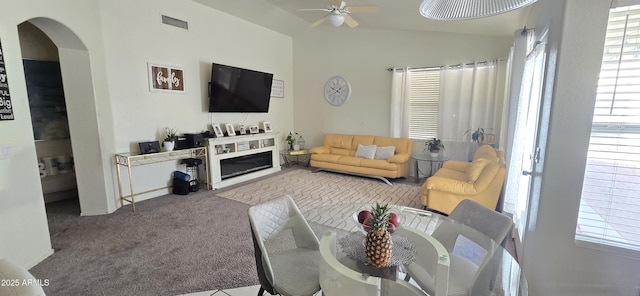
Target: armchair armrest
{"points": [[451, 185], [399, 158], [460, 166], [320, 150]]}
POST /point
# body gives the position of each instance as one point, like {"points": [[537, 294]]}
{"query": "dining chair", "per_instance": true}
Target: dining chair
{"points": [[284, 271], [398, 288], [15, 277], [471, 245], [338, 279], [493, 224], [430, 268]]}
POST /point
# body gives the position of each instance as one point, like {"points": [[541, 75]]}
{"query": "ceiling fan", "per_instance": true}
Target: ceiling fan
{"points": [[338, 13]]}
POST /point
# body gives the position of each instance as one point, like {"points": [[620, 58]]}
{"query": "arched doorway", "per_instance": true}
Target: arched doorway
{"points": [[91, 166], [49, 120]]}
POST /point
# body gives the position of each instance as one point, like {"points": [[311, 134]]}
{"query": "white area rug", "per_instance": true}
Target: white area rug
{"points": [[310, 190]]}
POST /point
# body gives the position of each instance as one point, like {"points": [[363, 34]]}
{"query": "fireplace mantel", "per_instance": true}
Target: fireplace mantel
{"points": [[224, 150]]}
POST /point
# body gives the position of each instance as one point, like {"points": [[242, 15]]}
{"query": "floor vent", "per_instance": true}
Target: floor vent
{"points": [[167, 20]]}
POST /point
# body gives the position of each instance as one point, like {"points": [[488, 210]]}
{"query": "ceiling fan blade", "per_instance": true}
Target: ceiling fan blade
{"points": [[336, 3], [349, 21], [319, 21], [363, 9], [314, 9]]}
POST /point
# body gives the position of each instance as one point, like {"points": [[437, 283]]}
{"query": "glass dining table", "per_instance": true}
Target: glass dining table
{"points": [[502, 277]]}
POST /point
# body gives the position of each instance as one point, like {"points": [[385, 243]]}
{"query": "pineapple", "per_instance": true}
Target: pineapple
{"points": [[379, 245]]}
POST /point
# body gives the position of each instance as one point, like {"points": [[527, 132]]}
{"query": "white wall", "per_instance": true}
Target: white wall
{"points": [[24, 232], [120, 37], [553, 264], [135, 36], [362, 56]]}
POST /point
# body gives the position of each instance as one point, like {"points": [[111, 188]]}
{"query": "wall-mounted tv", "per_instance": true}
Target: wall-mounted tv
{"points": [[235, 89]]}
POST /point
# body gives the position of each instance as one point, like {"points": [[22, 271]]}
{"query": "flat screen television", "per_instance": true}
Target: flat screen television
{"points": [[235, 89]]}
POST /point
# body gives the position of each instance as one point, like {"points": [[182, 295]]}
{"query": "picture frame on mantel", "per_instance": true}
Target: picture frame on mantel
{"points": [[230, 130], [163, 78], [267, 127], [217, 130]]}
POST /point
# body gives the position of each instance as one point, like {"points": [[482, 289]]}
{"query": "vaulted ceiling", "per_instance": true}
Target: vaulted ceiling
{"points": [[283, 16]]}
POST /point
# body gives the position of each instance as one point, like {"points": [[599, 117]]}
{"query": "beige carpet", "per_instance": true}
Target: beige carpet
{"points": [[310, 190]]}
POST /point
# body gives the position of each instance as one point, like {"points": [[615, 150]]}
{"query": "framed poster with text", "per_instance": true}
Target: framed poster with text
{"points": [[166, 78], [6, 109]]}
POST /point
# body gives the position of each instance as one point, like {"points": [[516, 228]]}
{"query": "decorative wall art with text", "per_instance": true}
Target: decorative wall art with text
{"points": [[165, 78], [6, 110]]}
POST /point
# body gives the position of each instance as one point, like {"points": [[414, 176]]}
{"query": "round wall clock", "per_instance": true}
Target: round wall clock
{"points": [[337, 90]]}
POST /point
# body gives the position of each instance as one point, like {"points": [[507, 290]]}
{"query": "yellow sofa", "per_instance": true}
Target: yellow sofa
{"points": [[479, 180], [338, 153]]}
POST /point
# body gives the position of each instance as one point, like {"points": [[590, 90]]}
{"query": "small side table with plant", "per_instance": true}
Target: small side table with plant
{"points": [[291, 139], [434, 146]]}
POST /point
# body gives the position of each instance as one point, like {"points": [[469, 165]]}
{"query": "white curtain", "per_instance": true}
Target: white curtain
{"points": [[472, 97], [399, 119]]}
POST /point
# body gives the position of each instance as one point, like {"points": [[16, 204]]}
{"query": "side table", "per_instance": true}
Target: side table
{"points": [[287, 155], [434, 163]]}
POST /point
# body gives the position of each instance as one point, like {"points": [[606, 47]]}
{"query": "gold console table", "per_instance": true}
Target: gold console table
{"points": [[131, 160]]}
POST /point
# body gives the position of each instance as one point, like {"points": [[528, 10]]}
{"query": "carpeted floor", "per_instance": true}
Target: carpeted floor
{"points": [[180, 244]]}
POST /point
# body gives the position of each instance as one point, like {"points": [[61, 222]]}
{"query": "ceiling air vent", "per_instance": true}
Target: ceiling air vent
{"points": [[167, 20]]}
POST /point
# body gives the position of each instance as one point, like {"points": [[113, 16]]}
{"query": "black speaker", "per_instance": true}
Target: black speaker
{"points": [[194, 140]]}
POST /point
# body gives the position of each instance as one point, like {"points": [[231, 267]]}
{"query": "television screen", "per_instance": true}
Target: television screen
{"points": [[235, 89]]}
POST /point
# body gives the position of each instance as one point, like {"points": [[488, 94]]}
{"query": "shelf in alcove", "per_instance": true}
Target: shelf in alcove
{"points": [[56, 139], [59, 182]]}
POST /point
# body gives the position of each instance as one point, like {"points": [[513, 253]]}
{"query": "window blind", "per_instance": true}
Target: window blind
{"points": [[424, 102], [610, 206]]}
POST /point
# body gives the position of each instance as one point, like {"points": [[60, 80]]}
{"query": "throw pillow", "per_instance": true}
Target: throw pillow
{"points": [[384, 152], [366, 151]]}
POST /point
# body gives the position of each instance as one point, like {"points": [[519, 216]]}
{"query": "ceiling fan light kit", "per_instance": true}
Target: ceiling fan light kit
{"points": [[468, 9], [336, 19], [338, 13]]}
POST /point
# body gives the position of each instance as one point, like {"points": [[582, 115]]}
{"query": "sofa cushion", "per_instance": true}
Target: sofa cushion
{"points": [[451, 174], [378, 164], [368, 151], [338, 141], [363, 140], [331, 158], [486, 151], [476, 168], [341, 151], [350, 160], [384, 152], [402, 145]]}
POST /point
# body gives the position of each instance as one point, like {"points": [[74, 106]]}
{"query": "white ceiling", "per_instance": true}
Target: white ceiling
{"points": [[283, 16]]}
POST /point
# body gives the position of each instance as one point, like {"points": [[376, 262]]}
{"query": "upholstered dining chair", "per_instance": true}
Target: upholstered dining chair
{"points": [[9, 270], [431, 265], [398, 288], [479, 234], [495, 225], [338, 279], [284, 271]]}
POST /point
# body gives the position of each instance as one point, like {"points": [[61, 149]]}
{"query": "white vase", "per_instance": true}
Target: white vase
{"points": [[168, 146], [434, 154]]}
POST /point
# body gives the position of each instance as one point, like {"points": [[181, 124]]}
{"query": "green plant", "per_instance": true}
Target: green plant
{"points": [[477, 135], [434, 145], [291, 138], [171, 134]]}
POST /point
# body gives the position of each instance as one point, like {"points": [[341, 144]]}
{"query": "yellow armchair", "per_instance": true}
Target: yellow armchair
{"points": [[479, 180]]}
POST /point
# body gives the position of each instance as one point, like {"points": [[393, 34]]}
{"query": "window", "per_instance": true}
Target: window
{"points": [[424, 98], [610, 206]]}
